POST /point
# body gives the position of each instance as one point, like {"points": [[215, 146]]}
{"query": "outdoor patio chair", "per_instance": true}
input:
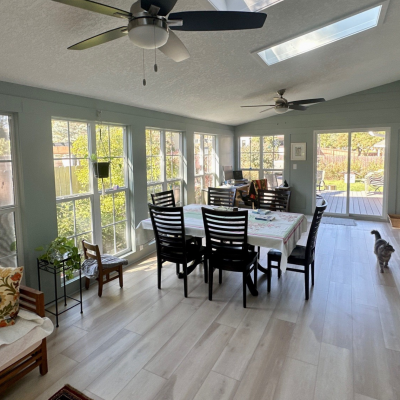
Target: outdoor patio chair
{"points": [[375, 180], [320, 179]]}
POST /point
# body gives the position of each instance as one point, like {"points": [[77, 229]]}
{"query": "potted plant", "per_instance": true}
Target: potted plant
{"points": [[101, 168], [59, 250]]}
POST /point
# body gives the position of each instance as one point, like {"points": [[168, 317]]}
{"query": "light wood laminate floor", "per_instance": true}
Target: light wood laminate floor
{"points": [[144, 343]]}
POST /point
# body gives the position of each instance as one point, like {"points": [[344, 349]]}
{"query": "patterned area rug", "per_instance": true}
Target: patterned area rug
{"points": [[69, 393], [338, 221]]}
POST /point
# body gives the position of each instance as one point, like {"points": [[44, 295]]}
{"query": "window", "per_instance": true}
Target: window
{"points": [[243, 5], [204, 164], [82, 211], [263, 157], [323, 36], [8, 209], [114, 220], [250, 157], [164, 162]]}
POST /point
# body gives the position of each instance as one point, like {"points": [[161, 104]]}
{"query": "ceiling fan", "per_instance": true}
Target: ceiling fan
{"points": [[282, 105], [150, 26]]}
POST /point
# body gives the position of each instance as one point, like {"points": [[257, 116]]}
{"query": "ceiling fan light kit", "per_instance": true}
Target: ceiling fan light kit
{"points": [[148, 32]]}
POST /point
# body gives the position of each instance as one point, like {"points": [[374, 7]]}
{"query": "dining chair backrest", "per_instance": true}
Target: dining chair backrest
{"points": [[169, 231], [221, 197], [312, 234], [226, 234], [163, 199], [92, 251], [274, 200]]}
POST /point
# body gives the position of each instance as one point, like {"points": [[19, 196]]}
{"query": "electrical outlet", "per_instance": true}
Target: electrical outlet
{"points": [[294, 166], [141, 247]]}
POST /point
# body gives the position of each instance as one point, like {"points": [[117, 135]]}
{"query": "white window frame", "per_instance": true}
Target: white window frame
{"points": [[95, 191], [261, 171], [164, 183], [15, 207], [202, 155]]}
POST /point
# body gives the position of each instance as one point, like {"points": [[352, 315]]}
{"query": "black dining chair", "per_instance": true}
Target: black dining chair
{"points": [[163, 199], [167, 199], [227, 248], [305, 255], [274, 200], [221, 197], [172, 245]]}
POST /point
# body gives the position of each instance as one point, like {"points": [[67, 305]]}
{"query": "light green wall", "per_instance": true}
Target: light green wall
{"points": [[33, 109], [373, 108]]}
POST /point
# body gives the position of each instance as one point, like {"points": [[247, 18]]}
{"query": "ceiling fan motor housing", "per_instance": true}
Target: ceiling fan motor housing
{"points": [[281, 106], [148, 32]]}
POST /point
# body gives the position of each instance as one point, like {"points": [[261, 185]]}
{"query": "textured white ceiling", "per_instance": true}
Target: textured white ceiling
{"points": [[221, 74]]}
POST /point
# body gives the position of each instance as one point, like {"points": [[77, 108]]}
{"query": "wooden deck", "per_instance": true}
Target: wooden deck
{"points": [[360, 202]]}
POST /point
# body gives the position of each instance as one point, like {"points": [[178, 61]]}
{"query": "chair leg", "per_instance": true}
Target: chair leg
{"points": [[185, 283], [205, 269], [87, 283], [244, 289], [100, 292], [210, 281], [220, 276], [43, 368], [159, 265], [269, 276], [312, 273], [177, 269], [255, 274], [307, 280], [121, 277]]}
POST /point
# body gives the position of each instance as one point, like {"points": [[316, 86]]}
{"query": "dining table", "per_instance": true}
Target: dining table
{"points": [[281, 231]]}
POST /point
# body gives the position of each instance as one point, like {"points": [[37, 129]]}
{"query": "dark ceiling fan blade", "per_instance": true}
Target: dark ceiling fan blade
{"points": [[297, 107], [165, 6], [218, 20], [96, 7], [261, 105], [174, 48], [308, 101], [267, 109], [100, 39]]}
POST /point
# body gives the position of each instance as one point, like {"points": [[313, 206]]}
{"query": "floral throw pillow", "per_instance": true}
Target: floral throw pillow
{"points": [[10, 279]]}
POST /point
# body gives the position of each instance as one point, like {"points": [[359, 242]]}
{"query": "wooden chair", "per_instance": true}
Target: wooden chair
{"points": [[305, 255], [221, 197], [274, 200], [163, 199], [226, 246], [91, 251], [31, 300], [172, 244]]}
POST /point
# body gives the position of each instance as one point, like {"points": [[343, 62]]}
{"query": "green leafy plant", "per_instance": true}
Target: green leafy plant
{"points": [[93, 157], [57, 251]]}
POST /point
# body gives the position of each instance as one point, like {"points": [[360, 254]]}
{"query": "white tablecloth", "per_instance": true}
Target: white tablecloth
{"points": [[282, 233]]}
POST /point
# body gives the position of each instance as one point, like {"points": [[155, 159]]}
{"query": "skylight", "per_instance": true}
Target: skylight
{"points": [[242, 5], [323, 36]]}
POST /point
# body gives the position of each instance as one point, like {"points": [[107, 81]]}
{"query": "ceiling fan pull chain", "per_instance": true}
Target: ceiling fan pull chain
{"points": [[144, 72], [155, 50]]}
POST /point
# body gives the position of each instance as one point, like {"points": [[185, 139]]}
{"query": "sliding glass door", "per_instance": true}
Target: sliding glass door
{"points": [[350, 171]]}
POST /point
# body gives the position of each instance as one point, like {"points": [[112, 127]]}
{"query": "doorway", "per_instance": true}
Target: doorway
{"points": [[350, 171]]}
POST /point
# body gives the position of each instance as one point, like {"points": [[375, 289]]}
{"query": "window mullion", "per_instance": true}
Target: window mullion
{"points": [[163, 160], [96, 212]]}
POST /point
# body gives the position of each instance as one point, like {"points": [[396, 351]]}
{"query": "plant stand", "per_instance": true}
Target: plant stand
{"points": [[43, 265]]}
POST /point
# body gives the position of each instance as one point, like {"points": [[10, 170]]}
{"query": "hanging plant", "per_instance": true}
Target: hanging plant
{"points": [[101, 168]]}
